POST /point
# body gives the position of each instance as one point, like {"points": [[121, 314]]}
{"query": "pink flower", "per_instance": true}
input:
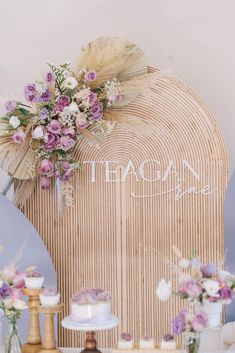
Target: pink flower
{"points": [[199, 321], [46, 167], [66, 143], [18, 279], [50, 77], [54, 126], [90, 75], [16, 294], [81, 123], [126, 336], [92, 97], [18, 136], [10, 106], [45, 182], [190, 288]]}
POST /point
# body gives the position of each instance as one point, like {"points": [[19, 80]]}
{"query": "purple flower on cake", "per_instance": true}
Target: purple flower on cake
{"points": [[4, 291], [10, 106], [190, 288], [168, 337], [208, 270], [49, 291], [178, 324], [18, 136], [90, 75], [66, 143], [34, 274], [125, 336], [97, 111], [199, 321], [50, 77]]}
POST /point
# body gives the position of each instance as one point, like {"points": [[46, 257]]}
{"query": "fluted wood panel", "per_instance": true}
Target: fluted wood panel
{"points": [[117, 238]]}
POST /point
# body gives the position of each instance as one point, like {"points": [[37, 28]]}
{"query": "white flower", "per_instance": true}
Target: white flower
{"points": [[184, 263], [73, 107], [14, 121], [163, 290], [211, 287], [70, 82], [83, 94], [226, 276], [38, 133], [19, 304], [7, 303]]}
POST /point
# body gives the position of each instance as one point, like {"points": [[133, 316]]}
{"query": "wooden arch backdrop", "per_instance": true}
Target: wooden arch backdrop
{"points": [[119, 234]]}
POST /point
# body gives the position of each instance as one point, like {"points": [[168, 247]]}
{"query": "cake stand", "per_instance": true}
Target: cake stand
{"points": [[89, 327]]}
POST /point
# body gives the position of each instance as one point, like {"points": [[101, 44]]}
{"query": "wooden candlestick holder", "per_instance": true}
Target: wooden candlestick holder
{"points": [[48, 344], [34, 339], [90, 343]]}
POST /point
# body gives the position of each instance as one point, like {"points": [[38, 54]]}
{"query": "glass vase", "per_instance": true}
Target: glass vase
{"points": [[13, 344], [193, 346]]}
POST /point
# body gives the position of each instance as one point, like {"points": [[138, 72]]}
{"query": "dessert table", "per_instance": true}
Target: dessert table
{"points": [[107, 350]]}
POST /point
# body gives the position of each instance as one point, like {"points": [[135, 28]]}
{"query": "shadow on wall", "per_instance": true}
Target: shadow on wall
{"points": [[229, 237], [16, 230]]}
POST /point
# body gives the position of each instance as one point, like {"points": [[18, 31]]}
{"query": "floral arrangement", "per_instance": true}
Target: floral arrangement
{"points": [[191, 324], [11, 302], [126, 336], [91, 296], [199, 283], [40, 135]]}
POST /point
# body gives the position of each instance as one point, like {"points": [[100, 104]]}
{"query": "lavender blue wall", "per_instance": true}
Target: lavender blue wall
{"points": [[15, 230]]}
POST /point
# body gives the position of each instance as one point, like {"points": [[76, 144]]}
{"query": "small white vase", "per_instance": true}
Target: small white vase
{"points": [[213, 311]]}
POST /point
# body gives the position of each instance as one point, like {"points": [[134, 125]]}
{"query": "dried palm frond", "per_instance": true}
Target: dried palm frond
{"points": [[112, 57], [23, 190]]}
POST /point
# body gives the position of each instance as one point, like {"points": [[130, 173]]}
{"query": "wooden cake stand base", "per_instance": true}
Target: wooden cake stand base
{"points": [[48, 344], [34, 339], [90, 343]]}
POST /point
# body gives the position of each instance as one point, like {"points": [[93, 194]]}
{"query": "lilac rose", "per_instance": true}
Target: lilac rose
{"points": [[46, 167], [178, 324], [199, 321], [226, 293], [190, 288], [54, 126], [96, 110], [90, 75], [66, 143], [10, 106]]}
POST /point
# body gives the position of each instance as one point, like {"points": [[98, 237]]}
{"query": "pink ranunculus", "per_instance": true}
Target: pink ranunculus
{"points": [[66, 143], [46, 167], [54, 126], [45, 182], [18, 279], [18, 136], [16, 294], [190, 288]]}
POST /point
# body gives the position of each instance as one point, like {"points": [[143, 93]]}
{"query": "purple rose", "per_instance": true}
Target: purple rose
{"points": [[30, 97], [178, 324], [30, 88], [226, 293], [190, 288], [50, 77], [81, 123], [65, 165], [66, 143], [10, 106], [45, 182], [199, 321], [18, 136], [54, 126], [96, 110], [46, 167], [92, 97], [4, 291], [44, 114], [208, 270], [62, 102], [90, 75], [45, 96]]}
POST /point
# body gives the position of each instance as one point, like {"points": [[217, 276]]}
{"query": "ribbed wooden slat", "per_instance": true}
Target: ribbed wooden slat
{"points": [[113, 240]]}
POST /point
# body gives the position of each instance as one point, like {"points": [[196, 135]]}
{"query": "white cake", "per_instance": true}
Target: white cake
{"points": [[91, 304], [126, 341], [168, 342], [49, 297], [147, 342], [34, 280]]}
